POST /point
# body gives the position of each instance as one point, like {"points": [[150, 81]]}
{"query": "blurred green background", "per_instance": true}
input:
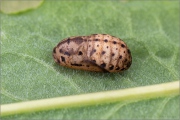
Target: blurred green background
{"points": [[28, 72]]}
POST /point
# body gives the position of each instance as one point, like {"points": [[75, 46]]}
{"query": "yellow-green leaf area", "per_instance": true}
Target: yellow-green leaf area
{"points": [[16, 6]]}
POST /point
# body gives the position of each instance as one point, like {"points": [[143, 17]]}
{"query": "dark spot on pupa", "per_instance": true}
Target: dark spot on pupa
{"points": [[89, 45], [120, 57], [103, 52], [107, 46], [62, 59], [105, 40], [96, 40], [124, 52], [129, 51], [54, 50], [112, 54], [128, 64], [103, 65], [125, 60], [97, 45], [76, 64], [93, 51], [66, 53], [111, 67], [85, 40], [60, 43], [117, 68], [94, 61], [123, 69], [114, 42], [116, 48], [80, 53], [77, 40], [68, 40], [58, 61], [60, 50], [122, 45]]}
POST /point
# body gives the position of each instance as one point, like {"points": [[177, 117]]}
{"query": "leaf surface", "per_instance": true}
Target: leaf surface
{"points": [[150, 29]]}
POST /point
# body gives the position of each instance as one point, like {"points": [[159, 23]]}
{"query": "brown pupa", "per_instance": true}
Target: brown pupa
{"points": [[96, 52]]}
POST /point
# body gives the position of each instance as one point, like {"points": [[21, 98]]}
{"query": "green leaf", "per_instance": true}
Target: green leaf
{"points": [[28, 72]]}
